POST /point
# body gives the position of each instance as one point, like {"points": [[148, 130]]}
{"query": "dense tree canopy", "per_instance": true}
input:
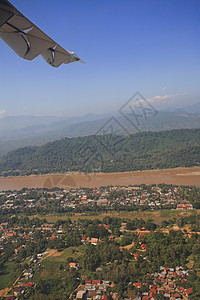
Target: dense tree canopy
{"points": [[108, 153]]}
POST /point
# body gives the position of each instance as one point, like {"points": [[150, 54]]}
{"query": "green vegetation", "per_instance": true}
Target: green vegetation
{"points": [[127, 241], [109, 153], [109, 259], [9, 273]]}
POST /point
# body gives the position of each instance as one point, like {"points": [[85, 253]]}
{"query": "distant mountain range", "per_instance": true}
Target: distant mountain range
{"points": [[23, 126], [20, 131], [192, 109], [107, 153]]}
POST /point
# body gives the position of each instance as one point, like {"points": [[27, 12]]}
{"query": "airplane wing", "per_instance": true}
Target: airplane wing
{"points": [[27, 40]]}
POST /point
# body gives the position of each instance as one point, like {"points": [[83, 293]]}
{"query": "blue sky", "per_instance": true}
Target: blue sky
{"points": [[150, 46]]}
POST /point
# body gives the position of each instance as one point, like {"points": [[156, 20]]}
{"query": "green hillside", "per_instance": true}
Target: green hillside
{"points": [[109, 153], [21, 131]]}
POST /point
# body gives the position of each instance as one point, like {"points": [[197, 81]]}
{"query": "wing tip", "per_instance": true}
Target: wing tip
{"points": [[81, 61]]}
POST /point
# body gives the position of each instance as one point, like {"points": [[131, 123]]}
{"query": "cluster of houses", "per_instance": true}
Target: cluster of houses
{"points": [[8, 234], [103, 197], [95, 289], [184, 206], [12, 234], [167, 282], [22, 288], [132, 195]]}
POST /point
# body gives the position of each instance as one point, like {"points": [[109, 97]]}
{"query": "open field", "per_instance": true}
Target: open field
{"points": [[158, 216], [9, 276], [52, 261], [177, 176]]}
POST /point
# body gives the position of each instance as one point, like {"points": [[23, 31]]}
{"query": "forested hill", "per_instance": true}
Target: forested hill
{"points": [[109, 153]]}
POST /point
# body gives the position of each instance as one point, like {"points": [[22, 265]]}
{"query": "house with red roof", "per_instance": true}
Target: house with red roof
{"points": [[30, 284], [138, 285], [188, 292], [73, 265], [96, 281], [151, 295], [88, 281], [9, 235], [84, 239], [184, 206], [18, 249], [153, 290], [94, 241], [153, 286], [143, 247]]}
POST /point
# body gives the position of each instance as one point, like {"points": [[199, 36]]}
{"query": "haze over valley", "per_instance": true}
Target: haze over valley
{"points": [[20, 131]]}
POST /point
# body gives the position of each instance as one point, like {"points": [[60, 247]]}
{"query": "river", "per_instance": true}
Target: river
{"points": [[177, 176]]}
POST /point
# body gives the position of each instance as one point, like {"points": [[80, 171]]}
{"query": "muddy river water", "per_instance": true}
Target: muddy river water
{"points": [[178, 176]]}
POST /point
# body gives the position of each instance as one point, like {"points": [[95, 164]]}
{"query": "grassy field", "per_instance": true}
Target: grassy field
{"points": [[53, 260], [8, 277], [158, 216]]}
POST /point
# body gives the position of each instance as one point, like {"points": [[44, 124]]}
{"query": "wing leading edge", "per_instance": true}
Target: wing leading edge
{"points": [[28, 41]]}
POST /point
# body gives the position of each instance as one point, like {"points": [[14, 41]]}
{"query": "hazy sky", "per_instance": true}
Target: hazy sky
{"points": [[150, 46]]}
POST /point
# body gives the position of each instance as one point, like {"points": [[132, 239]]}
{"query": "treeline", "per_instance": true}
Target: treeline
{"points": [[107, 153]]}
